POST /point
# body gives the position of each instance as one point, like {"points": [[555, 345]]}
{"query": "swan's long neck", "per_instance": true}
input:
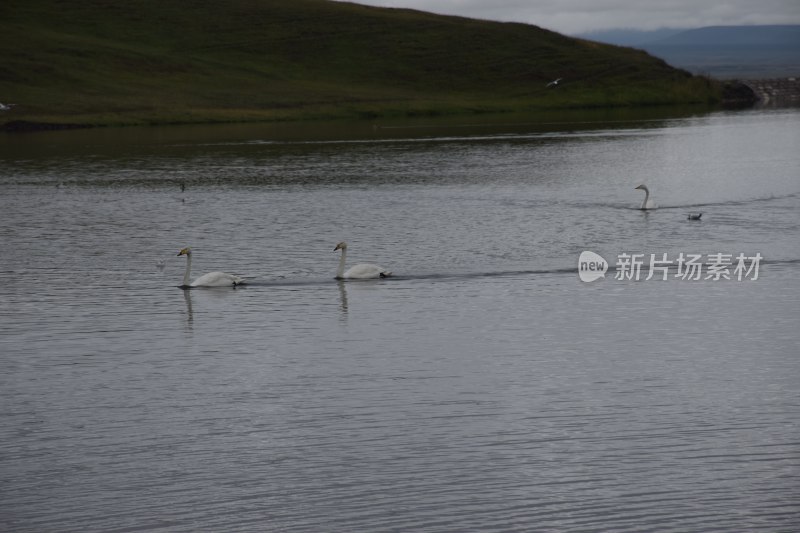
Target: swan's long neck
{"points": [[646, 197], [188, 272], [340, 272]]}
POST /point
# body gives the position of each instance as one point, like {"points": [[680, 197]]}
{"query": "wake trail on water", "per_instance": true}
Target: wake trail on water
{"points": [[671, 266], [406, 277], [695, 205]]}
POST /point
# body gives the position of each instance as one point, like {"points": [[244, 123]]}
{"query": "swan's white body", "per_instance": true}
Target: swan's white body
{"points": [[647, 203], [359, 271], [212, 279]]}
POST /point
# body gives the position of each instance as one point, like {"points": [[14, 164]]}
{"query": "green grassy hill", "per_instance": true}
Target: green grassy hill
{"points": [[102, 62]]}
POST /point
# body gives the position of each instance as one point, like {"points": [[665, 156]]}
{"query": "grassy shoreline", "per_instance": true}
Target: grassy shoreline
{"points": [[25, 122]]}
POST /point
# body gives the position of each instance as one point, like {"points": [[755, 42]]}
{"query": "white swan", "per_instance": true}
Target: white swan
{"points": [[360, 271], [647, 203], [212, 279]]}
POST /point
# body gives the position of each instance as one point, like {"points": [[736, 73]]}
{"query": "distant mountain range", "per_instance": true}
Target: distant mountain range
{"points": [[719, 51]]}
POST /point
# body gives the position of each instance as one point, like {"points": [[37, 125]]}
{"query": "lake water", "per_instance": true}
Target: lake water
{"points": [[483, 388]]}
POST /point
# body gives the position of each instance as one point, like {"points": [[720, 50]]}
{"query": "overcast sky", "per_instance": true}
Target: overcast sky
{"points": [[579, 16]]}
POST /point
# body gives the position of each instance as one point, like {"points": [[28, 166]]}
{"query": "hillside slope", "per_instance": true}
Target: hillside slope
{"points": [[99, 62]]}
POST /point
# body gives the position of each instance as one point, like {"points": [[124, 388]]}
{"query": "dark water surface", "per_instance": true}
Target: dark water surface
{"points": [[484, 388]]}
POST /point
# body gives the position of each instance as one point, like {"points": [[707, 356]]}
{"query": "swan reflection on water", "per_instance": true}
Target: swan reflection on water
{"points": [[342, 295], [187, 297]]}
